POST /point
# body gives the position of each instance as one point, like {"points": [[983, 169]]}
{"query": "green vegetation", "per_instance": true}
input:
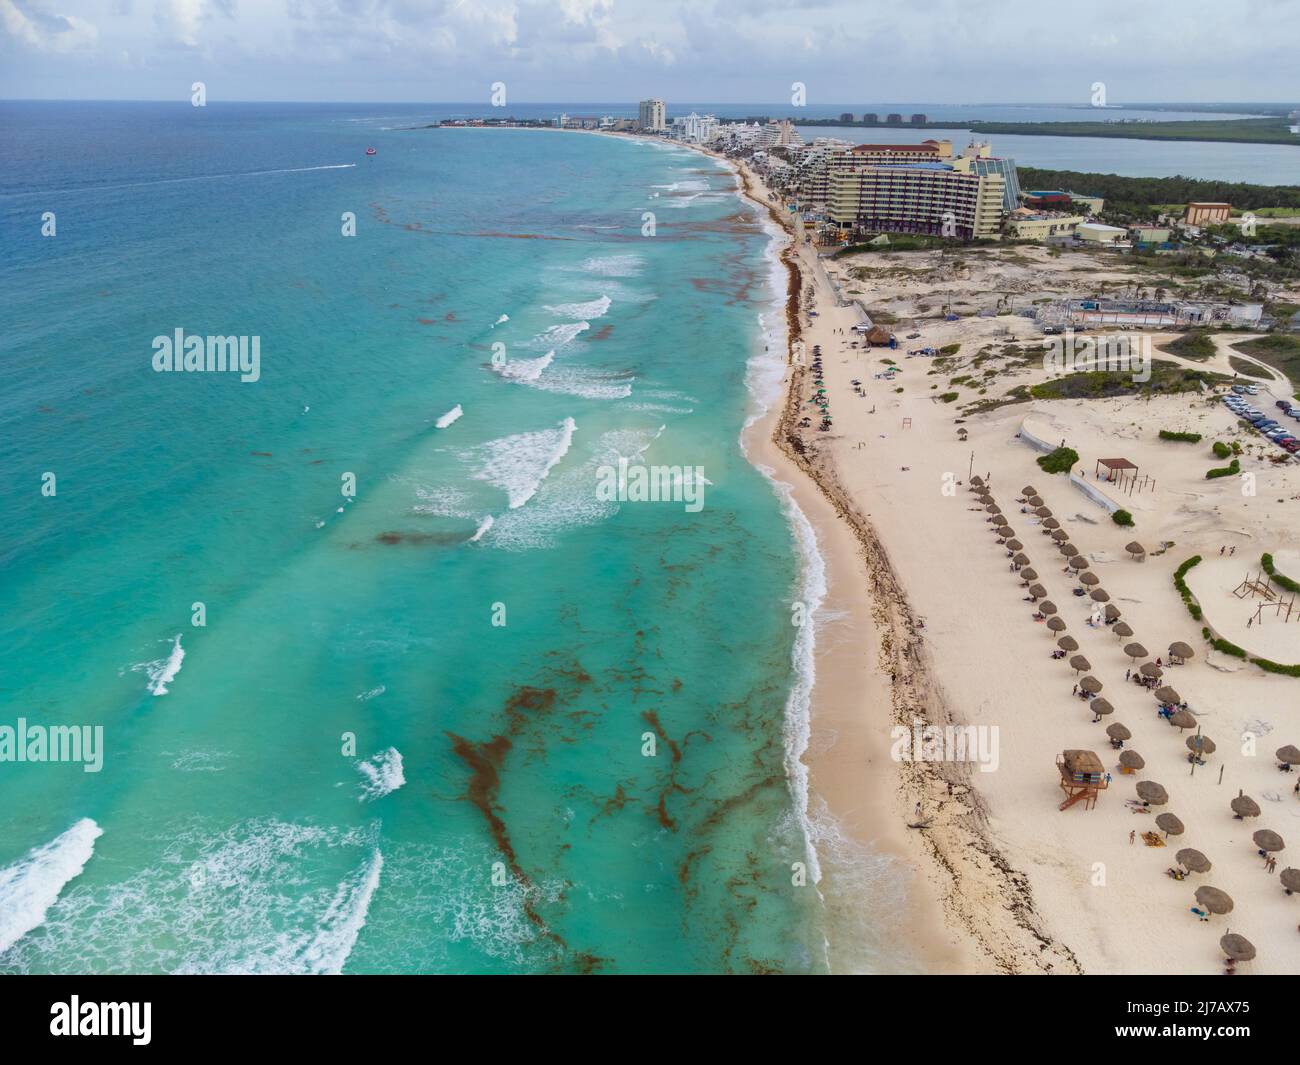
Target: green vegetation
{"points": [[1167, 378], [1122, 517], [1280, 350], [1272, 130], [1223, 645], [1193, 607], [950, 349], [1145, 195], [1229, 470], [1221, 450], [1188, 438], [1247, 369], [948, 397], [1275, 667], [1061, 460], [1283, 581], [1194, 344]]}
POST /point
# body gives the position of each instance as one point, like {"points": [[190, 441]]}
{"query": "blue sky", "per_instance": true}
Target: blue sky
{"points": [[845, 51]]}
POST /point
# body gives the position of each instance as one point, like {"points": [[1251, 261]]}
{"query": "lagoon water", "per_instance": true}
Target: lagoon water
{"points": [[414, 731]]}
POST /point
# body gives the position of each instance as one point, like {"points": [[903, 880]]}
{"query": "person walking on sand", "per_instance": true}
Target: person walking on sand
{"points": [[1132, 835], [1127, 674], [918, 811], [1233, 551], [1222, 549], [1076, 690]]}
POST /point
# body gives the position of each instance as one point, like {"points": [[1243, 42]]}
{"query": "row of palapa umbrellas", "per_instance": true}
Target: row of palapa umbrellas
{"points": [[1236, 947]]}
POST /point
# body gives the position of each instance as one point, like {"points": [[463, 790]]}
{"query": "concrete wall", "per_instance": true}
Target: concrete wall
{"points": [[1094, 493], [1038, 445]]}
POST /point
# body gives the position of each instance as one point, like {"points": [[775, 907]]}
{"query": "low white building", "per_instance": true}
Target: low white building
{"points": [[1096, 233]]}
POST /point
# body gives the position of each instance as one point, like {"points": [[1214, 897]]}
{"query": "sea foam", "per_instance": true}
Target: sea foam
{"points": [[30, 886], [382, 774], [519, 464], [164, 670], [451, 416]]}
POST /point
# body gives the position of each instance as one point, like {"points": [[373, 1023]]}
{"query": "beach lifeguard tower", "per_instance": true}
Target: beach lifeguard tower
{"points": [[1082, 776]]}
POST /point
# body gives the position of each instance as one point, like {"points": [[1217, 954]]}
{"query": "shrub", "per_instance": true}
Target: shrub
{"points": [[1061, 460], [1266, 561], [948, 397], [1122, 517], [1193, 607], [950, 349], [1187, 438], [1221, 450], [1274, 667], [1224, 471]]}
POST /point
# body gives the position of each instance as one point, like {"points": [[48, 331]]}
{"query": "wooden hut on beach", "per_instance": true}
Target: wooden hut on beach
{"points": [[1082, 776]]}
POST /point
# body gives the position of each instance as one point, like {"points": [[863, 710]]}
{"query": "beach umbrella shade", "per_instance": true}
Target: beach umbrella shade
{"points": [[1135, 548], [993, 508], [1244, 806], [1047, 607], [1068, 643], [1080, 664], [1193, 860], [1029, 490], [1028, 574], [1268, 840], [1150, 669], [1051, 523], [1021, 559], [1170, 825], [1056, 624], [1113, 614], [1135, 650], [1183, 719], [1214, 900], [1118, 731], [1005, 531], [1043, 512], [1201, 745], [977, 480], [1152, 793], [1168, 695], [1288, 755], [985, 497], [1069, 550], [1099, 595], [1078, 562], [1180, 650], [1237, 947], [1034, 500], [1014, 545], [1123, 630], [1132, 760], [1101, 707], [1290, 880], [1091, 685], [1090, 579], [1037, 591], [1060, 535]]}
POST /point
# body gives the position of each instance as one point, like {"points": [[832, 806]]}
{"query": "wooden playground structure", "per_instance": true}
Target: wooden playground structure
{"points": [[1082, 776], [1259, 585], [1123, 475]]}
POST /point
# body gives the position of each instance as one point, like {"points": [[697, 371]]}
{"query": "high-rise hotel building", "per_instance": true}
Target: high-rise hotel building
{"points": [[916, 197], [653, 115]]}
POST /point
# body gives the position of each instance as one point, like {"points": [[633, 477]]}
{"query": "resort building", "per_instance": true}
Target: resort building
{"points": [[652, 116], [1096, 233], [816, 167], [695, 129], [930, 198], [978, 158], [1026, 225], [1207, 214]]}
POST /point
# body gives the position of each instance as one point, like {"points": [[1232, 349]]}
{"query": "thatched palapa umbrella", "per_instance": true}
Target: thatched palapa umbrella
{"points": [[1288, 755], [1099, 595], [1135, 549], [1290, 880], [1132, 761], [1034, 500], [1170, 825], [1043, 512], [1021, 559], [993, 508], [1150, 669], [1029, 490], [1051, 523], [1151, 793], [1237, 947], [1201, 745], [1135, 651], [1004, 531], [1123, 630], [1091, 685], [1047, 607], [1067, 643], [1078, 562], [1118, 732], [1080, 664], [1268, 840], [1101, 708], [1183, 719], [1214, 900], [1167, 695], [1055, 624], [1037, 591], [1244, 806], [1029, 574], [1193, 860], [1014, 545], [1178, 649], [977, 480], [1090, 579], [1069, 550], [1060, 535], [1113, 613]]}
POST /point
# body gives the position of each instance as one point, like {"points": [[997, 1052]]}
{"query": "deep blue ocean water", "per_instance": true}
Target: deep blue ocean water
{"points": [[390, 746]]}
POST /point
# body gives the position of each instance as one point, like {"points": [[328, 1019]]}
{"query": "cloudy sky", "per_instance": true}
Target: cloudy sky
{"points": [[723, 51]]}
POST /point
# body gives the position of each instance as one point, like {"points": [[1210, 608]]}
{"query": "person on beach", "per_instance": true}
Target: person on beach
{"points": [[1132, 836], [1127, 673]]}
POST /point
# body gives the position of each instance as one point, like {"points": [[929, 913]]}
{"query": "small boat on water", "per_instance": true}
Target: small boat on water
{"points": [[370, 151]]}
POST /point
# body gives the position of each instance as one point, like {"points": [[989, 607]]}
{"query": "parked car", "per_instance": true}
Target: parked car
{"points": [[1284, 403], [1239, 389]]}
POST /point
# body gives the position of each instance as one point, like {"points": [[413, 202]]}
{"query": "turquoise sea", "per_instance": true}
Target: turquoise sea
{"points": [[403, 738]]}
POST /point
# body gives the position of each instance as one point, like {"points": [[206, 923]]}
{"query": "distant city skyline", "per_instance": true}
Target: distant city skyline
{"points": [[728, 52]]}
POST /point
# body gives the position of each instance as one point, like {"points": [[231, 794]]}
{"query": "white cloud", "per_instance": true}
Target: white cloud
{"points": [[47, 32]]}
